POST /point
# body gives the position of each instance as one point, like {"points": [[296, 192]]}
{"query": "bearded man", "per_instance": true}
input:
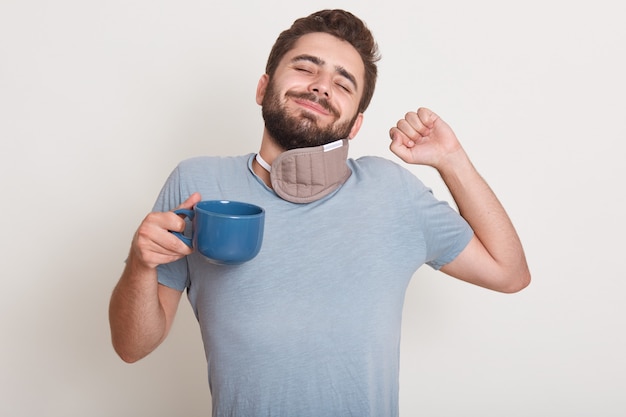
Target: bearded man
{"points": [[311, 325]]}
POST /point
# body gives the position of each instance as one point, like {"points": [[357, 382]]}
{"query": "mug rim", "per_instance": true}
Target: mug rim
{"points": [[258, 210]]}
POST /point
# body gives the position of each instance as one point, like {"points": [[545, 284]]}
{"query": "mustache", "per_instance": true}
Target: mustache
{"points": [[315, 99]]}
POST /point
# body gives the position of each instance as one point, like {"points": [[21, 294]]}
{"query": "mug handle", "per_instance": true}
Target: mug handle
{"points": [[188, 213]]}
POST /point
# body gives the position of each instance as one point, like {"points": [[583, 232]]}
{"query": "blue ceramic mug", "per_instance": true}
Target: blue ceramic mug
{"points": [[225, 232]]}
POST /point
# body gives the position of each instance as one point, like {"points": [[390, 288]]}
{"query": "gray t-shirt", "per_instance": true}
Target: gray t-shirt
{"points": [[311, 326]]}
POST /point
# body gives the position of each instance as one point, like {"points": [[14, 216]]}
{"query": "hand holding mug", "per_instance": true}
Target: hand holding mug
{"points": [[225, 232], [153, 244]]}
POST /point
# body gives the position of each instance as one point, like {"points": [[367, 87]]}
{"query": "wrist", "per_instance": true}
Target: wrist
{"points": [[456, 163], [136, 266]]}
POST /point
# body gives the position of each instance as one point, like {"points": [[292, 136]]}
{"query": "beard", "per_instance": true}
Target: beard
{"points": [[292, 131]]}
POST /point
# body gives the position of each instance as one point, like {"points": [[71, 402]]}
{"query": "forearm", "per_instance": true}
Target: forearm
{"points": [[137, 319], [481, 208]]}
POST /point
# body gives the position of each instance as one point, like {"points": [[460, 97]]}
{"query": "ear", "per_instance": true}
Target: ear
{"points": [[261, 88], [356, 126]]}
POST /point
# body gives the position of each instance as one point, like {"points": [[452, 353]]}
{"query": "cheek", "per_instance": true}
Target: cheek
{"points": [[291, 81], [348, 107]]}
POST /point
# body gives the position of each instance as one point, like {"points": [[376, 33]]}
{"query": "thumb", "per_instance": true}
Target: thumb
{"points": [[191, 201]]}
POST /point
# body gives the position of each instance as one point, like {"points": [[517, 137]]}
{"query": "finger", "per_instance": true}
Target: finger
{"points": [[398, 134], [408, 129], [165, 245], [163, 221], [427, 117], [153, 236], [165, 250], [174, 222], [191, 201], [168, 244], [398, 146], [420, 121]]}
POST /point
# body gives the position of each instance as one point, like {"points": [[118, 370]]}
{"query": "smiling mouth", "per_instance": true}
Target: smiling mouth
{"points": [[313, 103], [316, 107]]}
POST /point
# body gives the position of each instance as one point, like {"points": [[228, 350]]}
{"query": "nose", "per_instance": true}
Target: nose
{"points": [[321, 85]]}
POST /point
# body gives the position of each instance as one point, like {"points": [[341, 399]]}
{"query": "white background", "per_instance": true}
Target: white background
{"points": [[100, 100]]}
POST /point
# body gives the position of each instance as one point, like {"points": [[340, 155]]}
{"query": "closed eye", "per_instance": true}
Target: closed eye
{"points": [[302, 69], [344, 87]]}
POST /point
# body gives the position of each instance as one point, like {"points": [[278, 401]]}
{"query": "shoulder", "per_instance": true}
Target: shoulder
{"points": [[376, 168], [378, 164], [211, 167], [213, 162], [202, 170], [369, 162]]}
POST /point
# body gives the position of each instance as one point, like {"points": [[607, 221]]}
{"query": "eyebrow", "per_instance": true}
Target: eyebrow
{"points": [[319, 61]]}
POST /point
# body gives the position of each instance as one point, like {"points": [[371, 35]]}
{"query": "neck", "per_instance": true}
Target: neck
{"points": [[269, 151], [261, 173], [263, 163]]}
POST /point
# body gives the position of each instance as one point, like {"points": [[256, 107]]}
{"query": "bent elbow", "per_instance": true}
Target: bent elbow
{"points": [[129, 353], [517, 283], [127, 356]]}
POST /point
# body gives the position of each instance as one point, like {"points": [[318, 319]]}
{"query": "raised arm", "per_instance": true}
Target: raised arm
{"points": [[141, 311], [494, 258]]}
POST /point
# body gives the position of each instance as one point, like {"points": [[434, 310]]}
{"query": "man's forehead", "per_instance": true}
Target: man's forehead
{"points": [[330, 50]]}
